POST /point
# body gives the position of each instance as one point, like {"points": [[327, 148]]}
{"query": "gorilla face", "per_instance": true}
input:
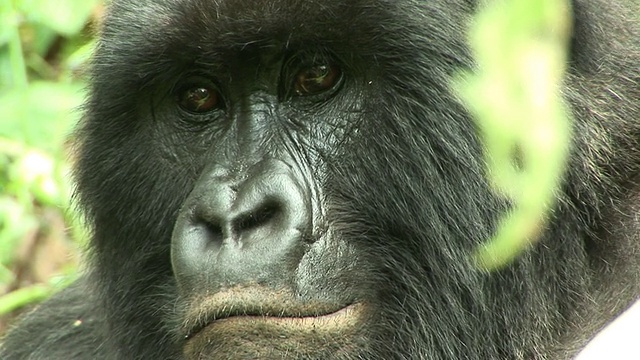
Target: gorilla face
{"points": [[296, 179], [317, 176]]}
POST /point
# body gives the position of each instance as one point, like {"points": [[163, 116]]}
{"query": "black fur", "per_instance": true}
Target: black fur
{"points": [[398, 164]]}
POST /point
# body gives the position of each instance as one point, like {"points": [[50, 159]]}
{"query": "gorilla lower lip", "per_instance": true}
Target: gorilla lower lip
{"points": [[340, 318], [270, 337], [345, 317], [257, 306]]}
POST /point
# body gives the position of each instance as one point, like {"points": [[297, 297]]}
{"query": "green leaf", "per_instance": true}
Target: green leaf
{"points": [[24, 296], [40, 115], [67, 17]]}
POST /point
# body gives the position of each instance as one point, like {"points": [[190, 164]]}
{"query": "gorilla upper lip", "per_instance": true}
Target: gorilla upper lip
{"points": [[263, 304]]}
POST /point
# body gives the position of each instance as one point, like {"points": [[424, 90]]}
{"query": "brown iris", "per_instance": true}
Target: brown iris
{"points": [[316, 79], [199, 99]]}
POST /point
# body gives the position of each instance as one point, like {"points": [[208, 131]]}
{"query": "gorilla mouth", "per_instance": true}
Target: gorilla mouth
{"points": [[259, 307]]}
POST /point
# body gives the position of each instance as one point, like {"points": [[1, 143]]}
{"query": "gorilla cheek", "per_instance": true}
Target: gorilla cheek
{"points": [[332, 266]]}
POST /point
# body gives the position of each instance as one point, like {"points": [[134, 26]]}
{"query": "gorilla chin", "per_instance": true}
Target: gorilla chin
{"points": [[251, 330]]}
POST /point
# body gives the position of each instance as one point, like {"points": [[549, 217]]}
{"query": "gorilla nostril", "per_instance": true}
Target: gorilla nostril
{"points": [[210, 226], [263, 215], [214, 232]]}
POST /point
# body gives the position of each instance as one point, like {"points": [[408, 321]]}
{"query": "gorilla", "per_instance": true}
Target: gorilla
{"points": [[295, 179]]}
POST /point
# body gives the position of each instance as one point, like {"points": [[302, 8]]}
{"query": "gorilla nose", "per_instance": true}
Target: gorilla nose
{"points": [[238, 232]]}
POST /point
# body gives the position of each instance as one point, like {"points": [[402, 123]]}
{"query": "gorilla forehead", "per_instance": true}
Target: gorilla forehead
{"points": [[367, 26], [236, 21]]}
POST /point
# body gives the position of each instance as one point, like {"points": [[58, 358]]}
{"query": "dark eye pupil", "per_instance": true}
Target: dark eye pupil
{"points": [[199, 99], [316, 79]]}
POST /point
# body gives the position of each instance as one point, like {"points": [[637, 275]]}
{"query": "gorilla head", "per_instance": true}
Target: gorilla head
{"points": [[295, 179]]}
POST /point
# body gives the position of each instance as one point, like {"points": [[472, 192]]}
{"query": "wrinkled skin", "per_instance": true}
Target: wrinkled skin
{"points": [[294, 179]]}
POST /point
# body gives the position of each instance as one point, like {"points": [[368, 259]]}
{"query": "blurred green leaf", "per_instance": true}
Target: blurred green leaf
{"points": [[40, 115], [16, 220], [43, 49], [22, 297], [66, 17], [520, 47], [7, 21]]}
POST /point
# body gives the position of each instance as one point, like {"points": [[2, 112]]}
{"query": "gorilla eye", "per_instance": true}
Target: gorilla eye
{"points": [[316, 79], [199, 99]]}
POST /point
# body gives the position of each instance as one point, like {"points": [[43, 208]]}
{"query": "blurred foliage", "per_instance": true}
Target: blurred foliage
{"points": [[44, 46], [520, 47]]}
